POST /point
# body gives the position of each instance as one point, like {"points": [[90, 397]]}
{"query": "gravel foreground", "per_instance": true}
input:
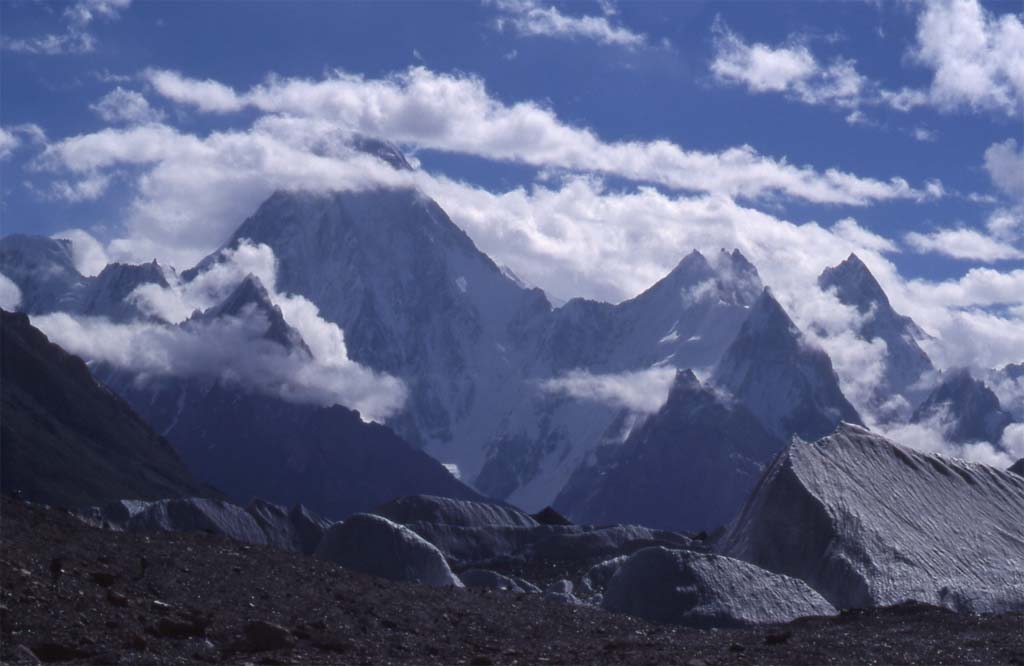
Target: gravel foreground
{"points": [[76, 594]]}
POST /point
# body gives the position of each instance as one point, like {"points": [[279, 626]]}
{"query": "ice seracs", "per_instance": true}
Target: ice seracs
{"points": [[866, 522]]}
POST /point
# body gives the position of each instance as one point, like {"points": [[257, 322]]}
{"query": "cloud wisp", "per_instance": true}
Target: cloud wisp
{"points": [[641, 391], [76, 37], [534, 19]]}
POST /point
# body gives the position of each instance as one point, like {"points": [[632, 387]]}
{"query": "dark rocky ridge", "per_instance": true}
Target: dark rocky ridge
{"points": [[66, 439]]}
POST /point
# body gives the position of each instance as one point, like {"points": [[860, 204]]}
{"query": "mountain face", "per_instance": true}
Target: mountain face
{"points": [[689, 467], [788, 385], [417, 300], [66, 439], [414, 296], [252, 445], [685, 320], [866, 522], [906, 363], [969, 408]]}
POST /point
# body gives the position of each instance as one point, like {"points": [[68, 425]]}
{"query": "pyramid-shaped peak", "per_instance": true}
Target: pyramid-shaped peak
{"points": [[768, 313], [250, 291], [854, 284]]}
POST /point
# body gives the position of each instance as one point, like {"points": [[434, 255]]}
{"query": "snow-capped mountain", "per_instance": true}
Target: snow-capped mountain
{"points": [[906, 364], [689, 467], [966, 407], [788, 384], [414, 296], [685, 320], [510, 391]]}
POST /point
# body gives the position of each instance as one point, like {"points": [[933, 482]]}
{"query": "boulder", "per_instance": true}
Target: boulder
{"points": [[707, 590], [374, 545]]}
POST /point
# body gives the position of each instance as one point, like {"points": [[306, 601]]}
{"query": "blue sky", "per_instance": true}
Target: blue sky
{"points": [[586, 145]]}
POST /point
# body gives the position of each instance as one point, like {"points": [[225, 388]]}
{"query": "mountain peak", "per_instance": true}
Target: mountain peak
{"points": [[767, 314], [251, 296], [790, 385], [854, 284]]}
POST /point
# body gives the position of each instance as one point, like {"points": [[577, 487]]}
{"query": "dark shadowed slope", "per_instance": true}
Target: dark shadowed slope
{"points": [[691, 466], [69, 441]]}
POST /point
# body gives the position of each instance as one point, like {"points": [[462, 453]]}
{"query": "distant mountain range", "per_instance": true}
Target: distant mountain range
{"points": [[485, 360]]}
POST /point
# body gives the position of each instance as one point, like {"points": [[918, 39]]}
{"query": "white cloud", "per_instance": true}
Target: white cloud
{"points": [[8, 142], [456, 113], [88, 253], [790, 69], [232, 349], [89, 188], [10, 294], [977, 57], [963, 244], [126, 106], [208, 96], [643, 391], [924, 134], [75, 38], [929, 437], [531, 18], [1005, 165]]}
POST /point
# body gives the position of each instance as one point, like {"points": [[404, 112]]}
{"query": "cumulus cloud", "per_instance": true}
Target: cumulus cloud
{"points": [[977, 57], [790, 69], [89, 255], [456, 113], [75, 38], [126, 106], [963, 244], [642, 391], [10, 294], [233, 349], [532, 18]]}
